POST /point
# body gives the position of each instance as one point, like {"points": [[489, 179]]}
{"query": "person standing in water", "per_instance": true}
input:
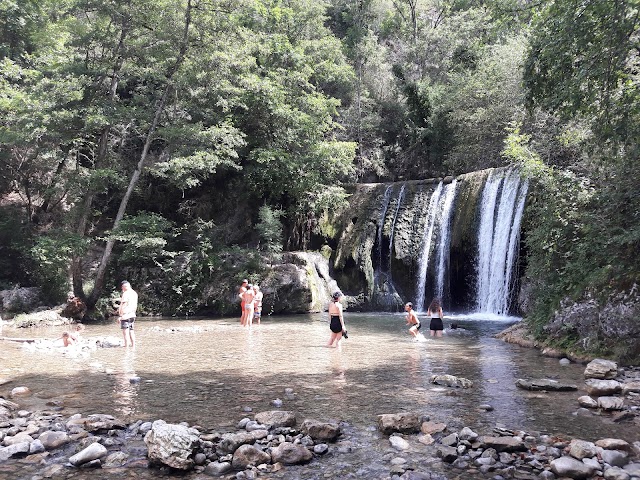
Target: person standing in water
{"points": [[247, 301], [241, 290], [127, 312], [257, 304], [412, 319], [336, 321], [435, 312]]}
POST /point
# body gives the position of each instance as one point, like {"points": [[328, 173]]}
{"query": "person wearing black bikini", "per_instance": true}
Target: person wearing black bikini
{"points": [[336, 323], [435, 312]]}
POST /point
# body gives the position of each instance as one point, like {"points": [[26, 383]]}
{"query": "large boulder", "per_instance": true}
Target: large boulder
{"points": [[572, 468], [172, 445], [16, 300], [601, 369]]}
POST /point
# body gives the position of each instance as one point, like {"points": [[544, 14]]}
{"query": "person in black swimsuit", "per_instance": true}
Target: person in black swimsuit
{"points": [[435, 312], [336, 323]]}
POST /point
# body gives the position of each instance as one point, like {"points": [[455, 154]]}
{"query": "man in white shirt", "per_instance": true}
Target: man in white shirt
{"points": [[127, 312]]}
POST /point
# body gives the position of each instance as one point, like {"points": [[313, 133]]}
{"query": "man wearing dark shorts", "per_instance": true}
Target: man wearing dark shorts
{"points": [[127, 312]]}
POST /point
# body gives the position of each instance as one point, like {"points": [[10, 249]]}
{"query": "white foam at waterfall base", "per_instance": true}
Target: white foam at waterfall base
{"points": [[482, 317]]}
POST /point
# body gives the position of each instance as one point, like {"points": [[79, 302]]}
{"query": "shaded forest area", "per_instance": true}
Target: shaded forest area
{"points": [[188, 141]]}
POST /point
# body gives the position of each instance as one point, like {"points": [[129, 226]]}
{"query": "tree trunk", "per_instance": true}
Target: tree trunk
{"points": [[106, 256]]}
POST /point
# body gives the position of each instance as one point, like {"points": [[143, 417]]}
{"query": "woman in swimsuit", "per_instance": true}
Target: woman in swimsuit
{"points": [[247, 301], [435, 312], [336, 320], [412, 319]]}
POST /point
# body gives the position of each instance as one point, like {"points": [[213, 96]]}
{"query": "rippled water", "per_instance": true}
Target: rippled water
{"points": [[207, 371]]}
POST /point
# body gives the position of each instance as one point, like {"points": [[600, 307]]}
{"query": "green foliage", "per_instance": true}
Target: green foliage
{"points": [[51, 255], [270, 229], [143, 238]]}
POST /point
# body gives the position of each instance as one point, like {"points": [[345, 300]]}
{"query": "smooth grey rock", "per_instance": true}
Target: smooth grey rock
{"points": [[633, 469], [19, 437], [321, 448], [217, 469], [587, 402], [93, 452], [610, 403], [249, 455], [581, 449], [398, 442], [399, 422], [467, 434], [546, 475], [450, 440], [545, 384], [600, 388], [613, 444], [572, 468], [276, 418], [291, 454], [616, 473], [36, 447], [10, 451], [171, 445], [323, 431], [230, 442], [448, 454], [615, 458], [52, 440], [564, 362], [451, 381], [600, 368], [504, 444]]}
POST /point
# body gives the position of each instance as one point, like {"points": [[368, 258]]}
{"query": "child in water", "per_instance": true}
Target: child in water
{"points": [[412, 319]]}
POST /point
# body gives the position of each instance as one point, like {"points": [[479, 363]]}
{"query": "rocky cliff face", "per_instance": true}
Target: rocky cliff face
{"points": [[410, 241]]}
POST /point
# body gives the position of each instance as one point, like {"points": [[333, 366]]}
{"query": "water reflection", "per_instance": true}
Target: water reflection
{"points": [[208, 372]]}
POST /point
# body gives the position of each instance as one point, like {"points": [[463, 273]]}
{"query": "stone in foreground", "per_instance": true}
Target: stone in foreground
{"points": [[172, 445], [406, 422]]}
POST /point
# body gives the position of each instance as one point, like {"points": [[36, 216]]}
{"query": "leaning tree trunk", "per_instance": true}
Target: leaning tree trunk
{"points": [[106, 256]]}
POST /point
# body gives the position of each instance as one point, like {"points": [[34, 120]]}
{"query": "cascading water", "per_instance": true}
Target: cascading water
{"points": [[502, 205], [427, 238], [442, 260], [386, 198], [393, 223]]}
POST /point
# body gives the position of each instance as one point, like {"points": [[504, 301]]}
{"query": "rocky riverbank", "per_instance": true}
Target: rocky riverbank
{"points": [[278, 444]]}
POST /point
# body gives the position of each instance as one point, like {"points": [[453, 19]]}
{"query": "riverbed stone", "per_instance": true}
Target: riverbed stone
{"points": [[171, 445], [276, 418], [572, 468], [600, 388], [36, 447], [613, 444], [116, 459], [633, 469], [291, 454], [52, 440], [20, 392], [631, 387], [467, 434], [93, 452], [451, 381], [610, 403], [582, 449], [503, 444], [217, 469], [448, 454], [94, 423], [616, 473], [406, 422], [17, 438], [398, 442], [587, 402], [545, 384], [12, 450], [602, 369], [615, 458], [432, 427], [230, 442], [323, 431], [249, 455]]}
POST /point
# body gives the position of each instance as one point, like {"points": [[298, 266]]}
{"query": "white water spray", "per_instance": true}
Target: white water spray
{"points": [[442, 260], [498, 237], [427, 237]]}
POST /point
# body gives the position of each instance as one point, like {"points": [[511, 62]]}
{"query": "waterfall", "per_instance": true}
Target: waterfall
{"points": [[427, 236], [383, 213], [393, 223], [502, 205], [442, 260]]}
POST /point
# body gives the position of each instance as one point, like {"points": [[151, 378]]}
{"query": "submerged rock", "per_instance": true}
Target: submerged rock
{"points": [[451, 381], [545, 384]]}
